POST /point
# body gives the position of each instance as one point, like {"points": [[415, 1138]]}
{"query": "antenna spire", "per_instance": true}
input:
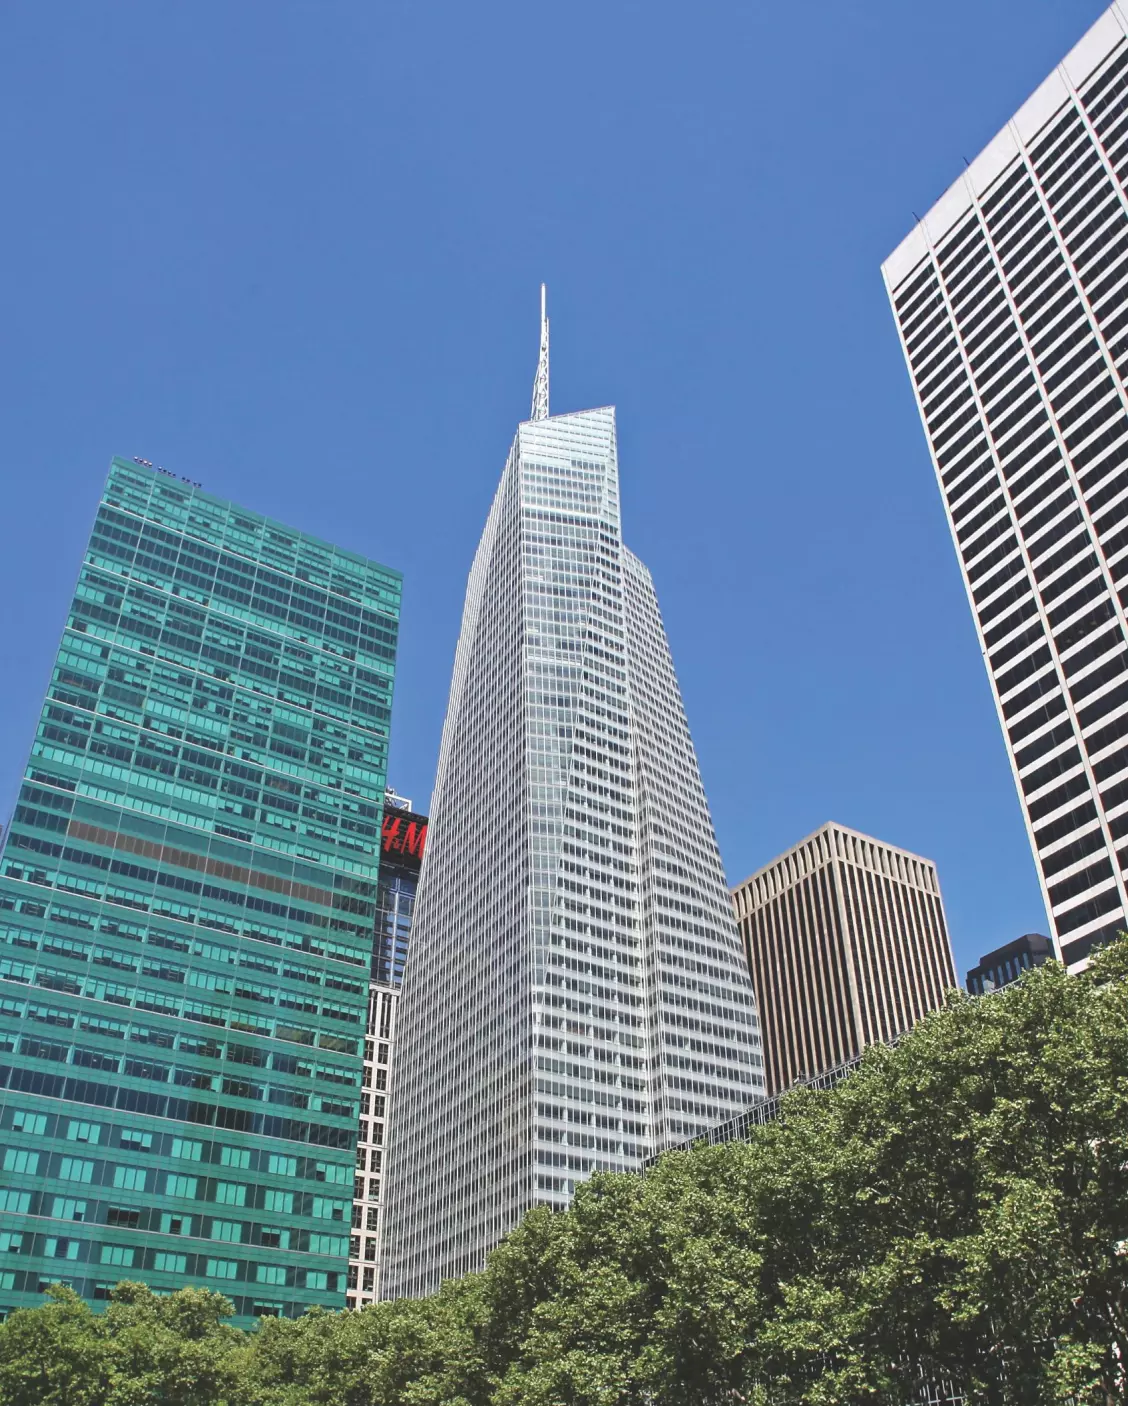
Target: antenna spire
{"points": [[540, 384]]}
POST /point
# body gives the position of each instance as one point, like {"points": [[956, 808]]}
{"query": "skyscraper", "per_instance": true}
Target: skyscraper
{"points": [[847, 945], [186, 901], [403, 843], [1010, 301], [575, 994]]}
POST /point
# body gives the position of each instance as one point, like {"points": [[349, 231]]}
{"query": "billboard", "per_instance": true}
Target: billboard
{"points": [[403, 838]]}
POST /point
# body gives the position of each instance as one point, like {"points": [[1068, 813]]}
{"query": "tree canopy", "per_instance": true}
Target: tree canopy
{"points": [[953, 1214]]}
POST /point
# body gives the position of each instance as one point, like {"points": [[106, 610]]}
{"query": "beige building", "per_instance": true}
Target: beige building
{"points": [[847, 945]]}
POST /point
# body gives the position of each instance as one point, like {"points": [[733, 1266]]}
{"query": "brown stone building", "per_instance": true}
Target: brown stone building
{"points": [[847, 945]]}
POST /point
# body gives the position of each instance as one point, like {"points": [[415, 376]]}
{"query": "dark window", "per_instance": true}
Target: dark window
{"points": [[1078, 883], [1086, 912], [1057, 766], [1061, 795], [1071, 853], [1065, 824]]}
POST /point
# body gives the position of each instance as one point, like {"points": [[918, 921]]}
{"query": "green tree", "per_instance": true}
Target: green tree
{"points": [[170, 1350], [957, 1210], [52, 1355]]}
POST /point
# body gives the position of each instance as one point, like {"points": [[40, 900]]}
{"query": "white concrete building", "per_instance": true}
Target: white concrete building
{"points": [[1010, 299]]}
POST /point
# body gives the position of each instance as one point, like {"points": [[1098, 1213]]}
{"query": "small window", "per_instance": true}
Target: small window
{"points": [[230, 1193], [141, 1142], [58, 1248], [169, 1263], [172, 1224], [16, 1159], [65, 1208], [180, 1186], [270, 1274], [84, 1132], [123, 1215], [234, 1157], [230, 1230], [118, 1254], [130, 1178], [34, 1123], [186, 1149], [222, 1269]]}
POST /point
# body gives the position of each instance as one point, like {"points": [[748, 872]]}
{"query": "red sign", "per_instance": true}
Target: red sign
{"points": [[404, 834]]}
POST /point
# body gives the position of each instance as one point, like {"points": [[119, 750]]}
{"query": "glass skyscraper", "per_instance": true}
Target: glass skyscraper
{"points": [[1010, 300], [575, 996], [187, 897]]}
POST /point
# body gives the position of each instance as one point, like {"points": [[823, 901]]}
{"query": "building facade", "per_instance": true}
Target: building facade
{"points": [[403, 841], [575, 994], [1007, 963], [848, 946], [187, 897], [1010, 301]]}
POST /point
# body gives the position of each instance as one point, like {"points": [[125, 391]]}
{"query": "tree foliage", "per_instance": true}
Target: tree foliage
{"points": [[956, 1211]]}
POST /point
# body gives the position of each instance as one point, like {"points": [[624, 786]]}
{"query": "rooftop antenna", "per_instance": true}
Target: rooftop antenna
{"points": [[540, 384]]}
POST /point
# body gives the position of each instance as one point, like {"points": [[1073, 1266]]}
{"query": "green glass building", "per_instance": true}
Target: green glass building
{"points": [[187, 893]]}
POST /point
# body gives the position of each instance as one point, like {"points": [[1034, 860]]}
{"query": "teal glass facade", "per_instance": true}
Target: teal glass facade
{"points": [[187, 893]]}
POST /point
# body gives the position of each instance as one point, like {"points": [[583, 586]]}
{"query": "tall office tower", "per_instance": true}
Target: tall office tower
{"points": [[575, 994], [403, 841], [186, 901], [847, 945], [1010, 300]]}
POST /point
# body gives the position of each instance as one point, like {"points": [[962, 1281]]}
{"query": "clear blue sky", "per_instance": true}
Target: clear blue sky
{"points": [[292, 250]]}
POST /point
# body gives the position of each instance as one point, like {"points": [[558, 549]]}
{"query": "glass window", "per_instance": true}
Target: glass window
{"points": [[84, 1132], [56, 1248], [66, 1208], [17, 1159], [74, 1169], [34, 1123]]}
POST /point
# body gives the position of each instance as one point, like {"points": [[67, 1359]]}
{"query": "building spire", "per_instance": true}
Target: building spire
{"points": [[540, 385]]}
